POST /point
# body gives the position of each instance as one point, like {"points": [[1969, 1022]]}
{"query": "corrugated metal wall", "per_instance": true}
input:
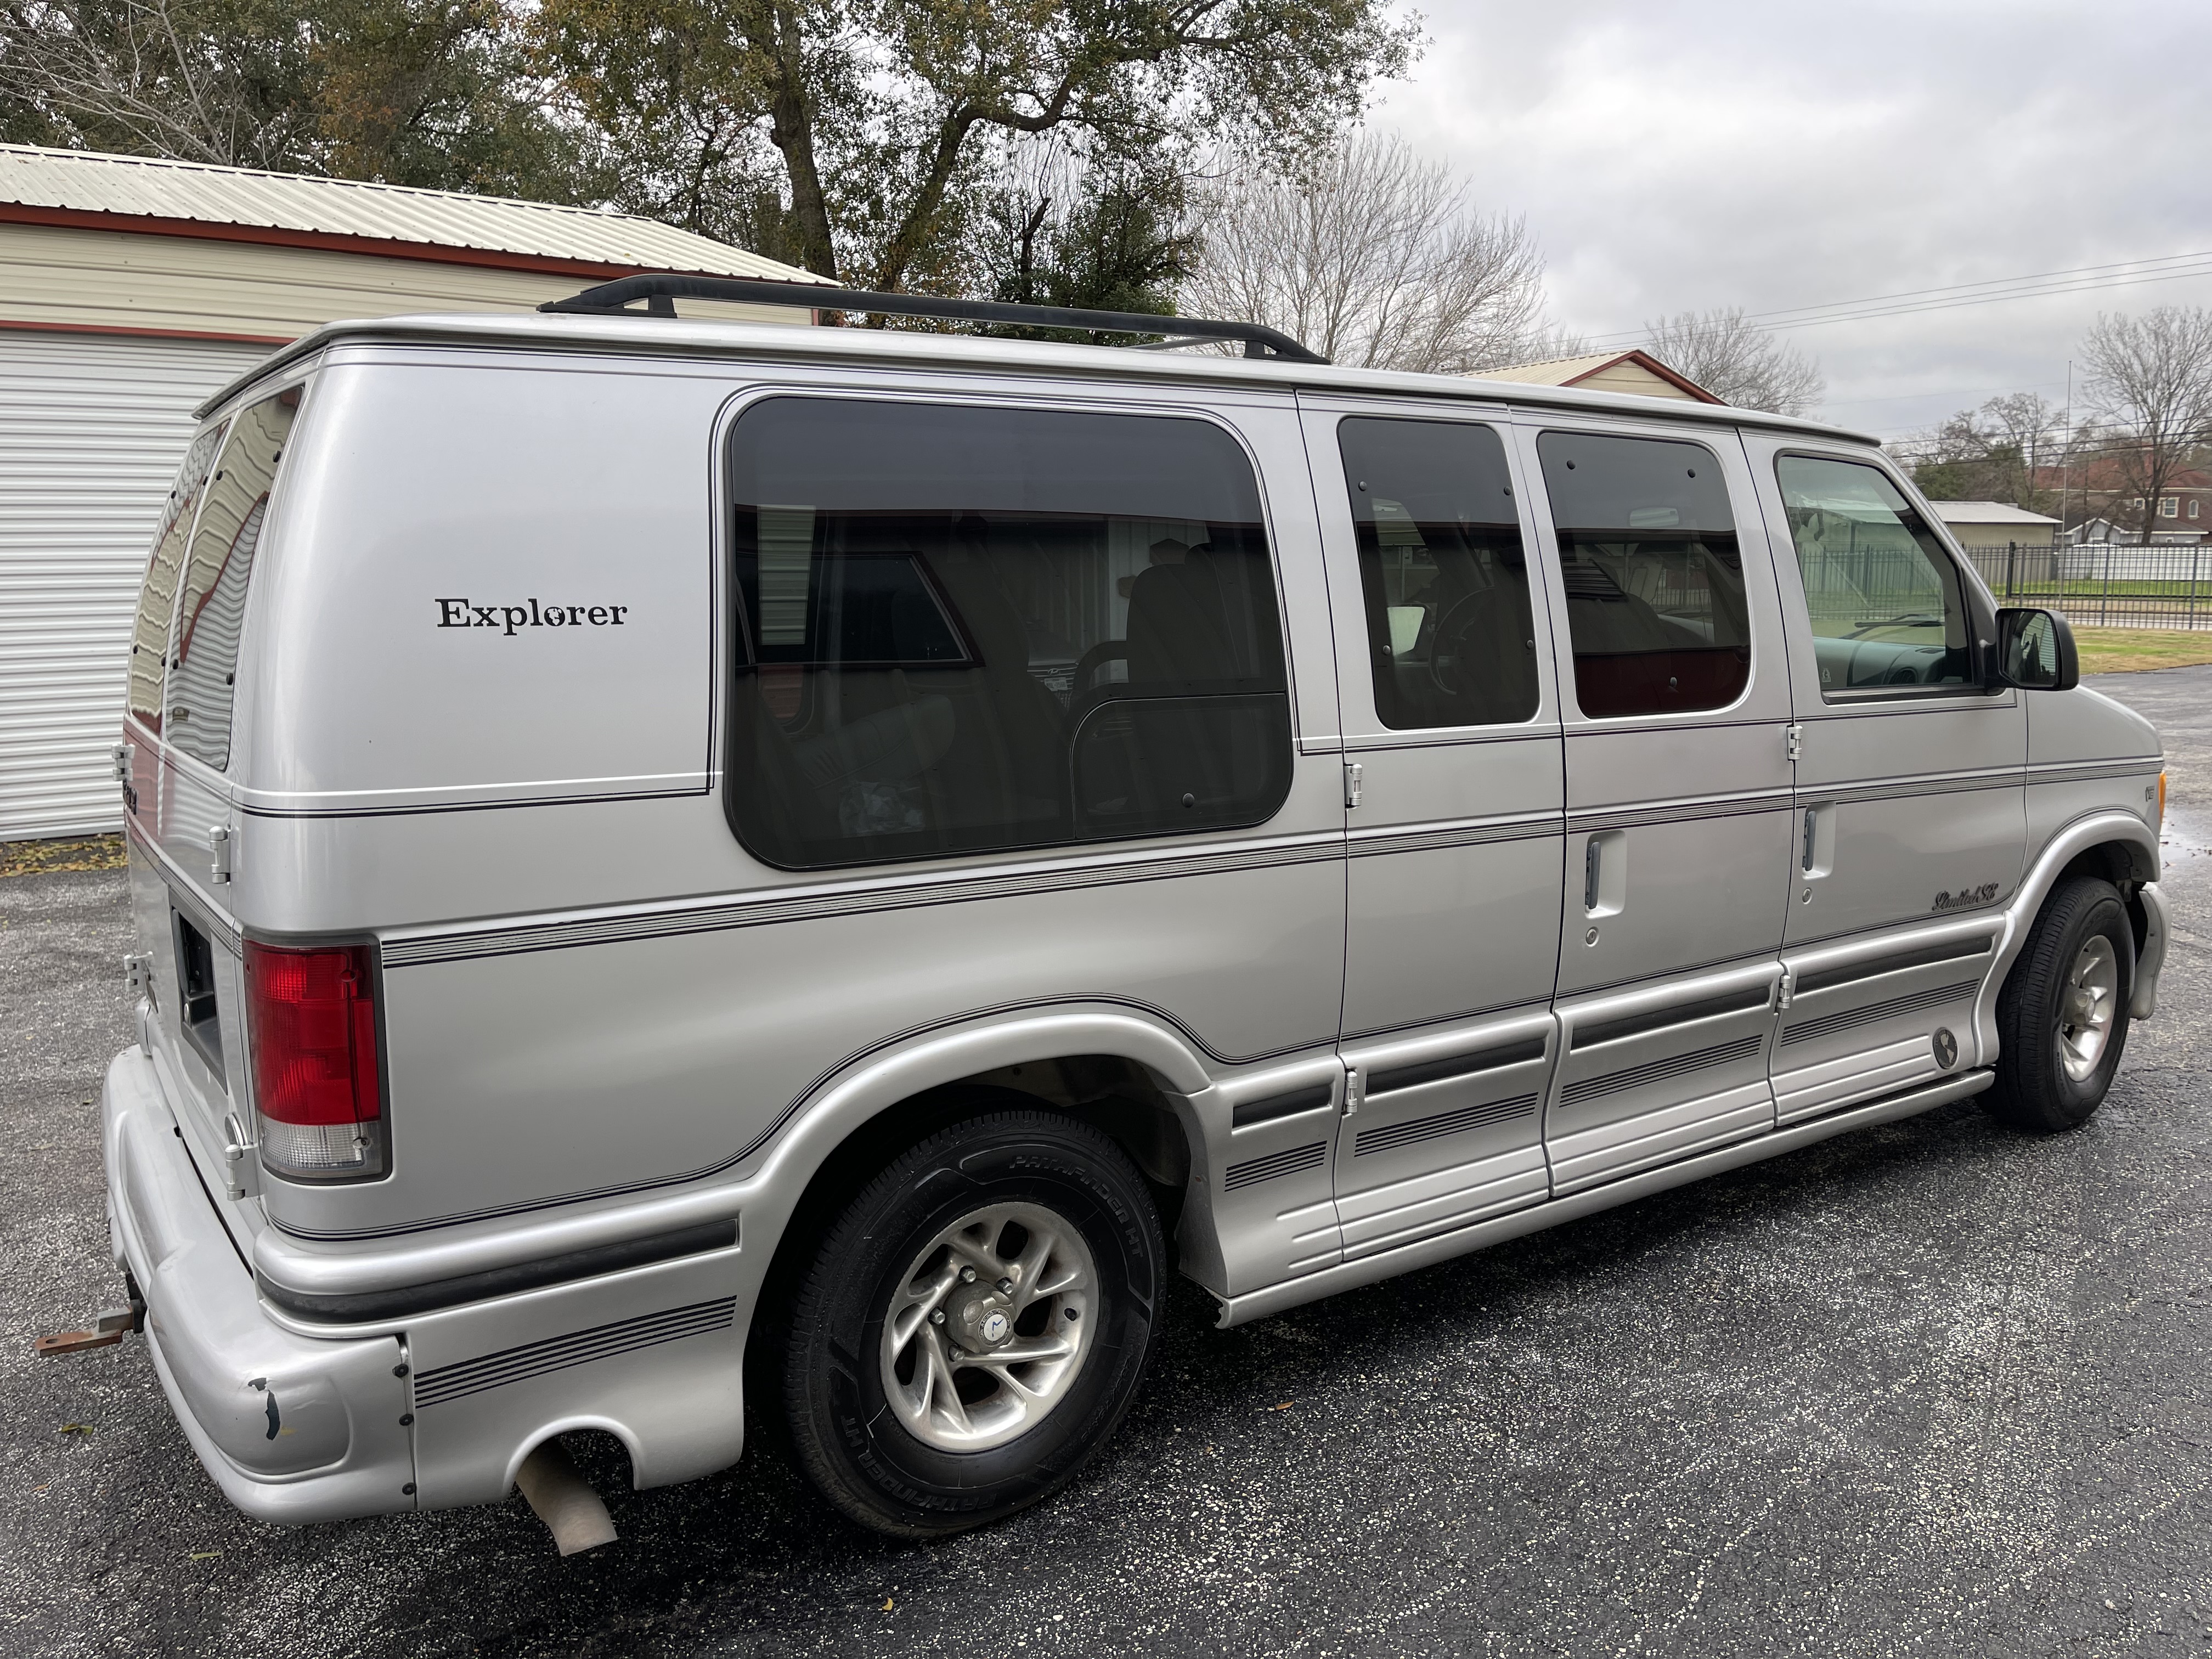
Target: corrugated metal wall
{"points": [[91, 429]]}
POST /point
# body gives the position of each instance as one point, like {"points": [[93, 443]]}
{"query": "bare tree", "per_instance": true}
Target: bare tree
{"points": [[198, 79], [1375, 259], [1998, 453], [1736, 362], [2151, 377]]}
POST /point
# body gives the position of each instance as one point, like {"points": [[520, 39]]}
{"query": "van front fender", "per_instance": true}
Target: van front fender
{"points": [[2094, 830]]}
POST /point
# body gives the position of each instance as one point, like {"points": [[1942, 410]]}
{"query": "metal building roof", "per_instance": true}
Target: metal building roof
{"points": [[83, 181], [1986, 513]]}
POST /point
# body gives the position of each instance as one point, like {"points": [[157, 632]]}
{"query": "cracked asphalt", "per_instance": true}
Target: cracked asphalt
{"points": [[1935, 1388]]}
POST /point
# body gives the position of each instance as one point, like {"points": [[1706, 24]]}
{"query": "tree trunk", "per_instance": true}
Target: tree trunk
{"points": [[791, 128], [906, 241]]}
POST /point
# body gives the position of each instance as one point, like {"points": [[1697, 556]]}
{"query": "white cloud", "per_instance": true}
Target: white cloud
{"points": [[1706, 153]]}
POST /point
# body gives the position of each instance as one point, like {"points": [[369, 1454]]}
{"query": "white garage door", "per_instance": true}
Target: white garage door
{"points": [[91, 429]]}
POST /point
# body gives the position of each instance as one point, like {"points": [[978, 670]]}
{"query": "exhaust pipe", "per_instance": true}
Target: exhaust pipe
{"points": [[564, 1500]]}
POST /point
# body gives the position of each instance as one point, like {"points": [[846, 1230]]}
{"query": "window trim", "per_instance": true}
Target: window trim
{"points": [[304, 382], [1570, 692], [732, 646], [1981, 609]]}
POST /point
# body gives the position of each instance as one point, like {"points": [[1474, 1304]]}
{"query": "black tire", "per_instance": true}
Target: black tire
{"points": [[849, 1441], [2034, 1091]]}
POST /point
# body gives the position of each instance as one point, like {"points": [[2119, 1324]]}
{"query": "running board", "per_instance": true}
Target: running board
{"points": [[1388, 1264]]}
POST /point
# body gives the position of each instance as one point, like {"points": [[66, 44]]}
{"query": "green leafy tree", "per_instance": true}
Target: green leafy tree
{"points": [[866, 139], [1062, 232]]}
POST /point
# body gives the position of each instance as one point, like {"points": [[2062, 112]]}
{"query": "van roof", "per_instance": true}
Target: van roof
{"points": [[685, 337]]}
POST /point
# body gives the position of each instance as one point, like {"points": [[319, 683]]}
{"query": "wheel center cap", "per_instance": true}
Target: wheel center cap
{"points": [[987, 1322]]}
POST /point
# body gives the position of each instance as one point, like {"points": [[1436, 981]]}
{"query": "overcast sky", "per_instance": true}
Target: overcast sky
{"points": [[1699, 153]]}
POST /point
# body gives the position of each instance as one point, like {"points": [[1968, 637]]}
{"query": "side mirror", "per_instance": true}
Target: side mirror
{"points": [[2036, 651]]}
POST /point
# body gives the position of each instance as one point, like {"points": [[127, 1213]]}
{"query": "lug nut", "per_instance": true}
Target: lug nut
{"points": [[937, 1316], [967, 1275], [1006, 1286], [1072, 1313]]}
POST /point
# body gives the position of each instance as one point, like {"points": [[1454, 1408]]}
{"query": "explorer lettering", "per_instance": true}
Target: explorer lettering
{"points": [[463, 613]]}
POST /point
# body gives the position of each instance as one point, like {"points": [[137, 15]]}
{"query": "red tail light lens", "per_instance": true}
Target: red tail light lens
{"points": [[311, 1019]]}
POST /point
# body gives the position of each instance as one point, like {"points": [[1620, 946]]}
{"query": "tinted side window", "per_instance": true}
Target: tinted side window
{"points": [[1443, 572], [157, 594], [1652, 574], [968, 628], [211, 605], [1885, 598]]}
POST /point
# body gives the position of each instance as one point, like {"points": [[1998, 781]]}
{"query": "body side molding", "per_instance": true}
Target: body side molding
{"points": [[814, 1127], [1388, 1264]]}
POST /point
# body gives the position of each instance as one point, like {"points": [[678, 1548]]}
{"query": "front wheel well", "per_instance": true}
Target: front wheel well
{"points": [[2117, 862], [2123, 865]]}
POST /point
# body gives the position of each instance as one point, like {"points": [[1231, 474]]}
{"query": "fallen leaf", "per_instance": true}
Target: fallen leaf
{"points": [[887, 1604], [202, 1555], [76, 1428], [1284, 1406]]}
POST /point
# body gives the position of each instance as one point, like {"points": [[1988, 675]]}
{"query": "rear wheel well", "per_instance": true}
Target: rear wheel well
{"points": [[1121, 1097]]}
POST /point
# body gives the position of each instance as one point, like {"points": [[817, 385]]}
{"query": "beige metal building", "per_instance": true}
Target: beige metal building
{"points": [[1992, 525], [132, 288], [1638, 373]]}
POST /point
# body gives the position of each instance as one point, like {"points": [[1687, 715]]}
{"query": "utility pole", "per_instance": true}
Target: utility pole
{"points": [[2066, 457]]}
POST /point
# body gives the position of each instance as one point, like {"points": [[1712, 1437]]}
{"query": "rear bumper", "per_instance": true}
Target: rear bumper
{"points": [[293, 1429]]}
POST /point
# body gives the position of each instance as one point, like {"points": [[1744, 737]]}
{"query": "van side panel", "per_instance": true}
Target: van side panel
{"points": [[589, 987], [484, 584], [556, 1073]]}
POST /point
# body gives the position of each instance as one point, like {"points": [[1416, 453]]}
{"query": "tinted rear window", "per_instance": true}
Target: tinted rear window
{"points": [[1450, 639], [963, 628], [1651, 572]]}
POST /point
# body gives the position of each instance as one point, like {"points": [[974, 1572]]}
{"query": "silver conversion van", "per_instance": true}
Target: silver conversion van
{"points": [[667, 853]]}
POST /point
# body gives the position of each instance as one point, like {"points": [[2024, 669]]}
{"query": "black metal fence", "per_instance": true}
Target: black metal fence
{"points": [[2103, 584]]}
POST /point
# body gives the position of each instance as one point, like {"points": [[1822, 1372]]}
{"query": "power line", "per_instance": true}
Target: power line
{"points": [[2081, 279], [1940, 392], [2122, 266]]}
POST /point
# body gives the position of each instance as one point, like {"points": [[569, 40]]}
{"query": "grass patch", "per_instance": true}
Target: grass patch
{"points": [[2126, 650], [38, 858]]}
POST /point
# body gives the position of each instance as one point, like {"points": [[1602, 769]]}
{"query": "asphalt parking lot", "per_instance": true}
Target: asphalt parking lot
{"points": [[1934, 1390]]}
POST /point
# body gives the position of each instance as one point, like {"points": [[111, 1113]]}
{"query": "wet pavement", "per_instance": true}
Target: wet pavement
{"points": [[1933, 1389]]}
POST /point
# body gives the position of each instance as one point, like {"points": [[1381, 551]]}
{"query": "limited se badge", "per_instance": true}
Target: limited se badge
{"points": [[1945, 1046]]}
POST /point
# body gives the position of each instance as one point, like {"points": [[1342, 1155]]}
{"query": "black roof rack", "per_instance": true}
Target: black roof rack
{"points": [[659, 291]]}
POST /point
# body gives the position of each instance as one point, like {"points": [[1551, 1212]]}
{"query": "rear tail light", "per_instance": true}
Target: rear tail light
{"points": [[311, 1019]]}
